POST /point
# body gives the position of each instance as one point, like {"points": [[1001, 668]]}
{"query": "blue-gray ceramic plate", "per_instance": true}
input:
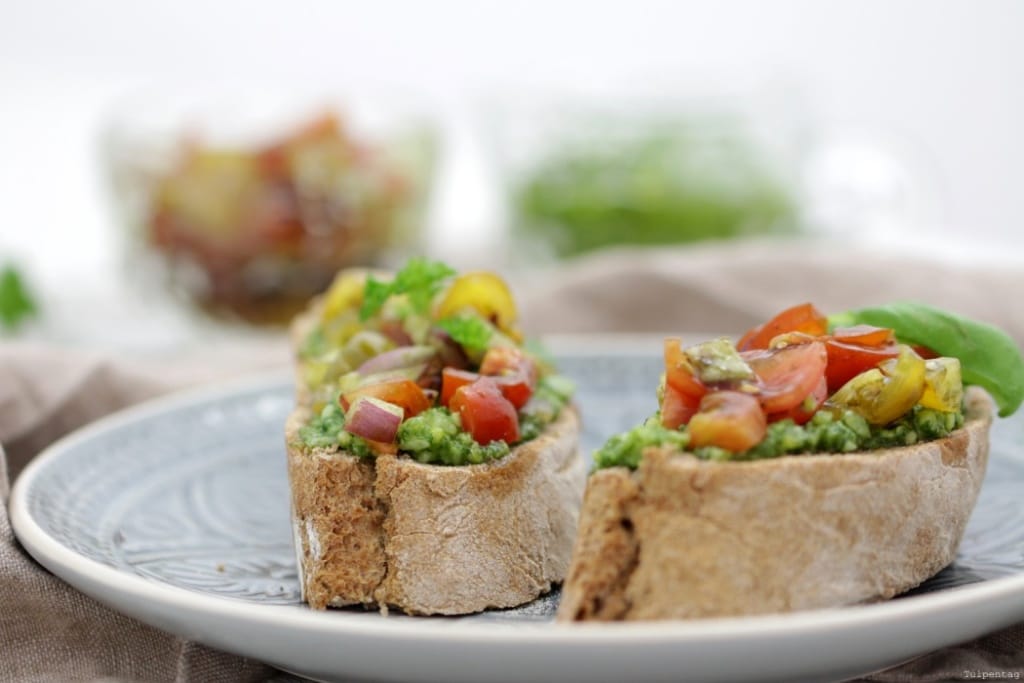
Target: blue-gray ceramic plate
{"points": [[176, 513]]}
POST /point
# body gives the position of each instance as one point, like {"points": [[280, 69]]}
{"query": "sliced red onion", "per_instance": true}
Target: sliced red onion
{"points": [[412, 372], [396, 359], [393, 330], [374, 419]]}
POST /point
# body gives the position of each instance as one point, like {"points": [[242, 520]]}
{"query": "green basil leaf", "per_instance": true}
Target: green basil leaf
{"points": [[989, 358], [16, 303]]}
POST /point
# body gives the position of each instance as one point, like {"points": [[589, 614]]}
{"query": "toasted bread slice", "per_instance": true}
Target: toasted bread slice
{"points": [[683, 538], [432, 539]]}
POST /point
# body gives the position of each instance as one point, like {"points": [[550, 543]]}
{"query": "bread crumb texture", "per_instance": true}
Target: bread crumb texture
{"points": [[428, 539], [682, 538]]}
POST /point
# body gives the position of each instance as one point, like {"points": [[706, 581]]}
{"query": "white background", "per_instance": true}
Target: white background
{"points": [[940, 85]]}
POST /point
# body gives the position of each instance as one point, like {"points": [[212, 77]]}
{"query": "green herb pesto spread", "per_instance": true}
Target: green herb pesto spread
{"points": [[327, 430], [436, 436], [825, 433]]}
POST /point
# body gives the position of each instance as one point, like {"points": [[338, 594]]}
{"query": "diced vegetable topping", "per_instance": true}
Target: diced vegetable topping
{"points": [[728, 419], [802, 318], [887, 392], [677, 408], [374, 419], [988, 356], [403, 393], [484, 293], [438, 352], [396, 359], [789, 386], [943, 386], [786, 376], [486, 414], [718, 361]]}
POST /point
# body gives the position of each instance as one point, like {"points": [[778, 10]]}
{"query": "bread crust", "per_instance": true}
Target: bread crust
{"points": [[684, 538], [431, 539]]}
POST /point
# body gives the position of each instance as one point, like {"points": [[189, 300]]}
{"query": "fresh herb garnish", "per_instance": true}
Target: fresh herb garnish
{"points": [[420, 280], [16, 303], [988, 356], [469, 331]]}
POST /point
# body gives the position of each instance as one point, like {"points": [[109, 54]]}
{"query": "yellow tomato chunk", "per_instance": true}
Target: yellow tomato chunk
{"points": [[344, 294], [943, 385], [486, 294], [884, 394]]}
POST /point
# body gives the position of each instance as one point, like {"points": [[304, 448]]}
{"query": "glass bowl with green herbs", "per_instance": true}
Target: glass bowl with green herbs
{"points": [[580, 178]]}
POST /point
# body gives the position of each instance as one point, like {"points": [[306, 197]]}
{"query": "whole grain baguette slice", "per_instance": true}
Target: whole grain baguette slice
{"points": [[431, 539], [684, 538]]}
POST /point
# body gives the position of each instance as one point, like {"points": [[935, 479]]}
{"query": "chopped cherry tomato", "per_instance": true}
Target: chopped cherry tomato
{"points": [[787, 375], [679, 372], [402, 392], [943, 385], [677, 408], [925, 352], [883, 394], [486, 414], [846, 361], [452, 380], [514, 371], [806, 409], [517, 390], [728, 419], [801, 318], [792, 339], [865, 335]]}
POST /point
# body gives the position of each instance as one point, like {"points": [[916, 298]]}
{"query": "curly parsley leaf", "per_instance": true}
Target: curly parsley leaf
{"points": [[420, 280], [16, 303], [469, 331]]}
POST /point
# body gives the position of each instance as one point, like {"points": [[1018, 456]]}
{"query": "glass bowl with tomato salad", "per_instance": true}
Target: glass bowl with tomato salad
{"points": [[246, 205]]}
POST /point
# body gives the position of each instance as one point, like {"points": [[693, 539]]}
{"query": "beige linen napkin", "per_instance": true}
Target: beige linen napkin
{"points": [[45, 392], [732, 286], [48, 630]]}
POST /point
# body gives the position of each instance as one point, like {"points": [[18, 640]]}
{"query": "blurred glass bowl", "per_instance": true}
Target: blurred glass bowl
{"points": [[583, 173], [247, 206]]}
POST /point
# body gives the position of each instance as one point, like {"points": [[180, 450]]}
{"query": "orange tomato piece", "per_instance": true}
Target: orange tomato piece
{"points": [[865, 335], [728, 419], [453, 379], [787, 375], [513, 370], [677, 408], [800, 318], [846, 361], [805, 410], [402, 392], [679, 372]]}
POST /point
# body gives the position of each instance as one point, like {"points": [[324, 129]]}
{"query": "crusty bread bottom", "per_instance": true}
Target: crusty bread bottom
{"points": [[431, 539], [683, 538]]}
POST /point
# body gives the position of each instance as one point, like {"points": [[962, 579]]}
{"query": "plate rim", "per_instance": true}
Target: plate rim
{"points": [[66, 562]]}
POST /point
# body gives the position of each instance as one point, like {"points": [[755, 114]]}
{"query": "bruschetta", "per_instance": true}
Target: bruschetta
{"points": [[433, 460], [817, 462]]}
